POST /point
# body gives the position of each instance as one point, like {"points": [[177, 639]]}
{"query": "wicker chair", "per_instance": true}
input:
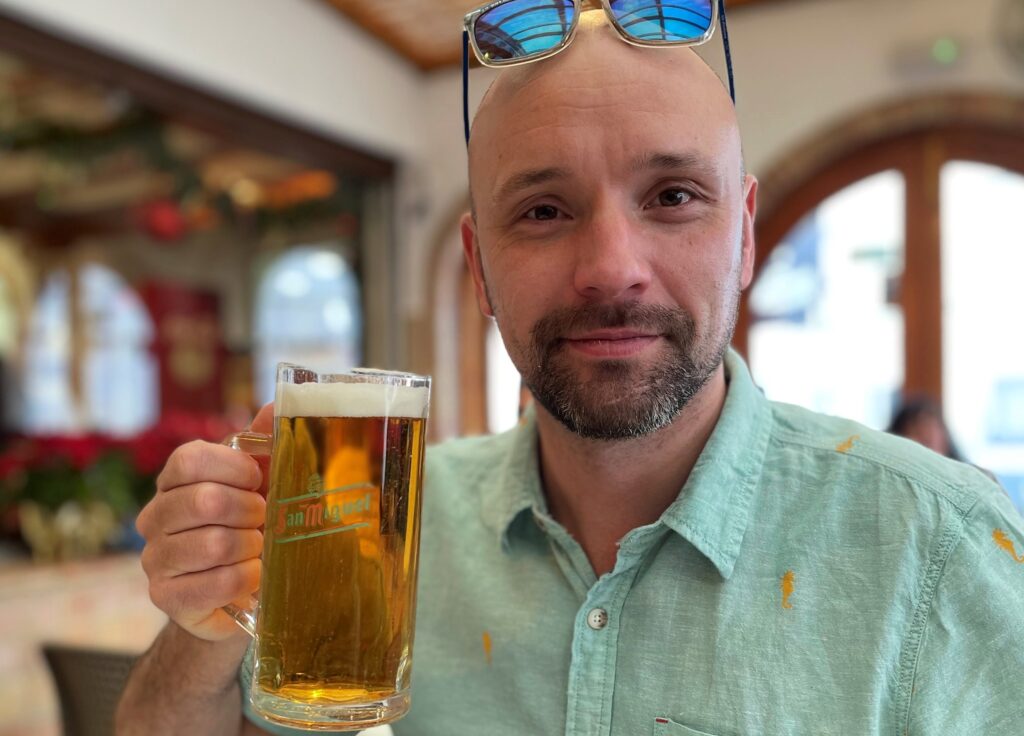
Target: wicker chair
{"points": [[89, 684]]}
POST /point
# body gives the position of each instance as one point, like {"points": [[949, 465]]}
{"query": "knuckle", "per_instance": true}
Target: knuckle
{"points": [[238, 579], [231, 579], [210, 502], [158, 593], [142, 521], [193, 598], [185, 463], [252, 478], [146, 560], [150, 518], [192, 459], [220, 544], [254, 542]]}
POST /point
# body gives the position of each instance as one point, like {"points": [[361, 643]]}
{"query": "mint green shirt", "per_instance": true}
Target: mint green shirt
{"points": [[812, 577]]}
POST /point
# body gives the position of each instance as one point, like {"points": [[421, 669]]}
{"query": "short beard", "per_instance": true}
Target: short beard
{"points": [[622, 401]]}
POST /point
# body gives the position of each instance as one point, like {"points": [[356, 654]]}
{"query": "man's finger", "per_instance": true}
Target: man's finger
{"points": [[199, 461], [196, 550], [194, 596], [201, 504], [264, 419]]}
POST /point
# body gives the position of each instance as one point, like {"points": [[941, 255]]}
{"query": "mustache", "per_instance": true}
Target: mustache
{"points": [[674, 323]]}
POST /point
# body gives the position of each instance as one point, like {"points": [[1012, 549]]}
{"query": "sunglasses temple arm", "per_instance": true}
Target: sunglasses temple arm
{"points": [[725, 46], [465, 84]]}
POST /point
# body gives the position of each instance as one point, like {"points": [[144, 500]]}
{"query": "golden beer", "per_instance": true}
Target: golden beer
{"points": [[338, 592]]}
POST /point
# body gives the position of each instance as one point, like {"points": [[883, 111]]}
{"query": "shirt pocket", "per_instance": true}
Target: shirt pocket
{"points": [[668, 727]]}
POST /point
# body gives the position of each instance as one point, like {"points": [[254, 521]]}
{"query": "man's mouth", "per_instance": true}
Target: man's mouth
{"points": [[611, 343]]}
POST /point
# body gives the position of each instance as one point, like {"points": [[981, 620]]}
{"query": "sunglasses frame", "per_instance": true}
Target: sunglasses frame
{"points": [[469, 37], [470, 19]]}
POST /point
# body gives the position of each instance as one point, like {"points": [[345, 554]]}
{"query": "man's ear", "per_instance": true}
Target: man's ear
{"points": [[749, 213], [471, 250]]}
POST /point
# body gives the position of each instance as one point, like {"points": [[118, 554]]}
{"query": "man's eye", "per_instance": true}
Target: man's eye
{"points": [[673, 197], [542, 212]]}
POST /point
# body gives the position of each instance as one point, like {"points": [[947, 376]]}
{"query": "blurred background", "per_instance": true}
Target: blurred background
{"points": [[192, 191]]}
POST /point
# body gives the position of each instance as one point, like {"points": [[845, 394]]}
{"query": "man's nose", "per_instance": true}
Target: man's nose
{"points": [[610, 259]]}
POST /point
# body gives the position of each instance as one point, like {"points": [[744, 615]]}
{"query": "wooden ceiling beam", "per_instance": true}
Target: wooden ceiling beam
{"points": [[408, 38]]}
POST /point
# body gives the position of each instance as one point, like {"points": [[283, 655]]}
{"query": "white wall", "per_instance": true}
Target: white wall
{"points": [[298, 59], [802, 66]]}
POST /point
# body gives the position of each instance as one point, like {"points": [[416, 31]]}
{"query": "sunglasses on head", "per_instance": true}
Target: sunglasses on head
{"points": [[508, 32]]}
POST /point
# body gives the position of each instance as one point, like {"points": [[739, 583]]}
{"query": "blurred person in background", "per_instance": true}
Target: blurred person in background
{"points": [[920, 419]]}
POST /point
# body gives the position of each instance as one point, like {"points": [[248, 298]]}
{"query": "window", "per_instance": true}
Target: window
{"points": [[503, 384], [983, 354], [119, 384], [308, 312], [826, 333]]}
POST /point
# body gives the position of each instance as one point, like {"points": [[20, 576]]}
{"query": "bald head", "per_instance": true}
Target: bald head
{"points": [[603, 78], [593, 31]]}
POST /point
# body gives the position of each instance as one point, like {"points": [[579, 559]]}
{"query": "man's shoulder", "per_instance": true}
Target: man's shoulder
{"points": [[465, 479], [480, 453], [897, 469], [468, 467]]}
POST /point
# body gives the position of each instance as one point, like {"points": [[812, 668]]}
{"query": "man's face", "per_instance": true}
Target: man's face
{"points": [[613, 230]]}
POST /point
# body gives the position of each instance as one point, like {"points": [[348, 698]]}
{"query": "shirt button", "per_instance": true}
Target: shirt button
{"points": [[597, 619]]}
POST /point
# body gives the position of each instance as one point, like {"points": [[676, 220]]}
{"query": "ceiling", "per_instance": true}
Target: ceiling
{"points": [[428, 32]]}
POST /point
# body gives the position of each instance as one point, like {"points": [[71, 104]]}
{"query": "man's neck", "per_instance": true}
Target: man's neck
{"points": [[600, 490]]}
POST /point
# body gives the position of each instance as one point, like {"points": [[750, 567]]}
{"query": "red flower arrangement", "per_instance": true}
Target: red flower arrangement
{"points": [[51, 471]]}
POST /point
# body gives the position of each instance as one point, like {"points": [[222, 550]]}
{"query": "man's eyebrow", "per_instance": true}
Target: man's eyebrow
{"points": [[528, 178], [671, 160]]}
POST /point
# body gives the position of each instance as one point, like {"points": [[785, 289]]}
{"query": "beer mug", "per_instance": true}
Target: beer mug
{"points": [[333, 623]]}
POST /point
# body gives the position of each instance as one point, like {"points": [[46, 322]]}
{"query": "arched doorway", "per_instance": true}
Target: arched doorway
{"points": [[476, 388], [884, 254]]}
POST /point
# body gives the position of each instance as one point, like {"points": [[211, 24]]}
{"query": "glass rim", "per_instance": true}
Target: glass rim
{"points": [[377, 376]]}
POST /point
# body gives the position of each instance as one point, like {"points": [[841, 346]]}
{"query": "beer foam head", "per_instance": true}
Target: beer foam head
{"points": [[350, 400]]}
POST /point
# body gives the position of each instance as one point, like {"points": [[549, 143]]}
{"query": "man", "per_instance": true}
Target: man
{"points": [[657, 549]]}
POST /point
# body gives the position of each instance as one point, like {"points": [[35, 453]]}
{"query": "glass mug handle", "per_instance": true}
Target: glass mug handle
{"points": [[256, 444]]}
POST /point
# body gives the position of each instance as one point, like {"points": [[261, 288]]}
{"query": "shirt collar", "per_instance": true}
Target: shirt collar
{"points": [[712, 509], [518, 486]]}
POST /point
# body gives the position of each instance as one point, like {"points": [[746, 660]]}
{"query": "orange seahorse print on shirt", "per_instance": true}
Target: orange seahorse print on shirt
{"points": [[487, 646], [788, 586], [1004, 542], [846, 445]]}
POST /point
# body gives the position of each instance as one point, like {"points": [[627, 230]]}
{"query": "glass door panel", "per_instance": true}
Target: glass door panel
{"points": [[827, 329], [983, 342]]}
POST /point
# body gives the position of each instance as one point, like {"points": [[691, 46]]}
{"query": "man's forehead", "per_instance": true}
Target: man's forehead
{"points": [[599, 81], [597, 50]]}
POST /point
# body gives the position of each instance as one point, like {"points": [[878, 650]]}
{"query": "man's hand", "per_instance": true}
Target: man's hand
{"points": [[203, 534]]}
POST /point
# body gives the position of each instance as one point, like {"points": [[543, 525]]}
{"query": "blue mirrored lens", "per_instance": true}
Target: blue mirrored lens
{"points": [[523, 28], [676, 21]]}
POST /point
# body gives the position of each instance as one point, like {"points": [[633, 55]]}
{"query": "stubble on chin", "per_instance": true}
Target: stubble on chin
{"points": [[617, 399]]}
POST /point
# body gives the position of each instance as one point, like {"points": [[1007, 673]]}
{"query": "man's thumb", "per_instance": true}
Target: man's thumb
{"points": [[264, 420]]}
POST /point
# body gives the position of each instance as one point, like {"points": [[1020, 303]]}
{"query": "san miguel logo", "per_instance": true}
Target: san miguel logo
{"points": [[320, 512]]}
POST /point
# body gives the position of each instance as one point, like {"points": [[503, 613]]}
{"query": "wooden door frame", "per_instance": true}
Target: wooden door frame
{"points": [[918, 152]]}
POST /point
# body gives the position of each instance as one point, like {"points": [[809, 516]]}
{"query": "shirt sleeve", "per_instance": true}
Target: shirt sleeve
{"points": [[969, 677]]}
